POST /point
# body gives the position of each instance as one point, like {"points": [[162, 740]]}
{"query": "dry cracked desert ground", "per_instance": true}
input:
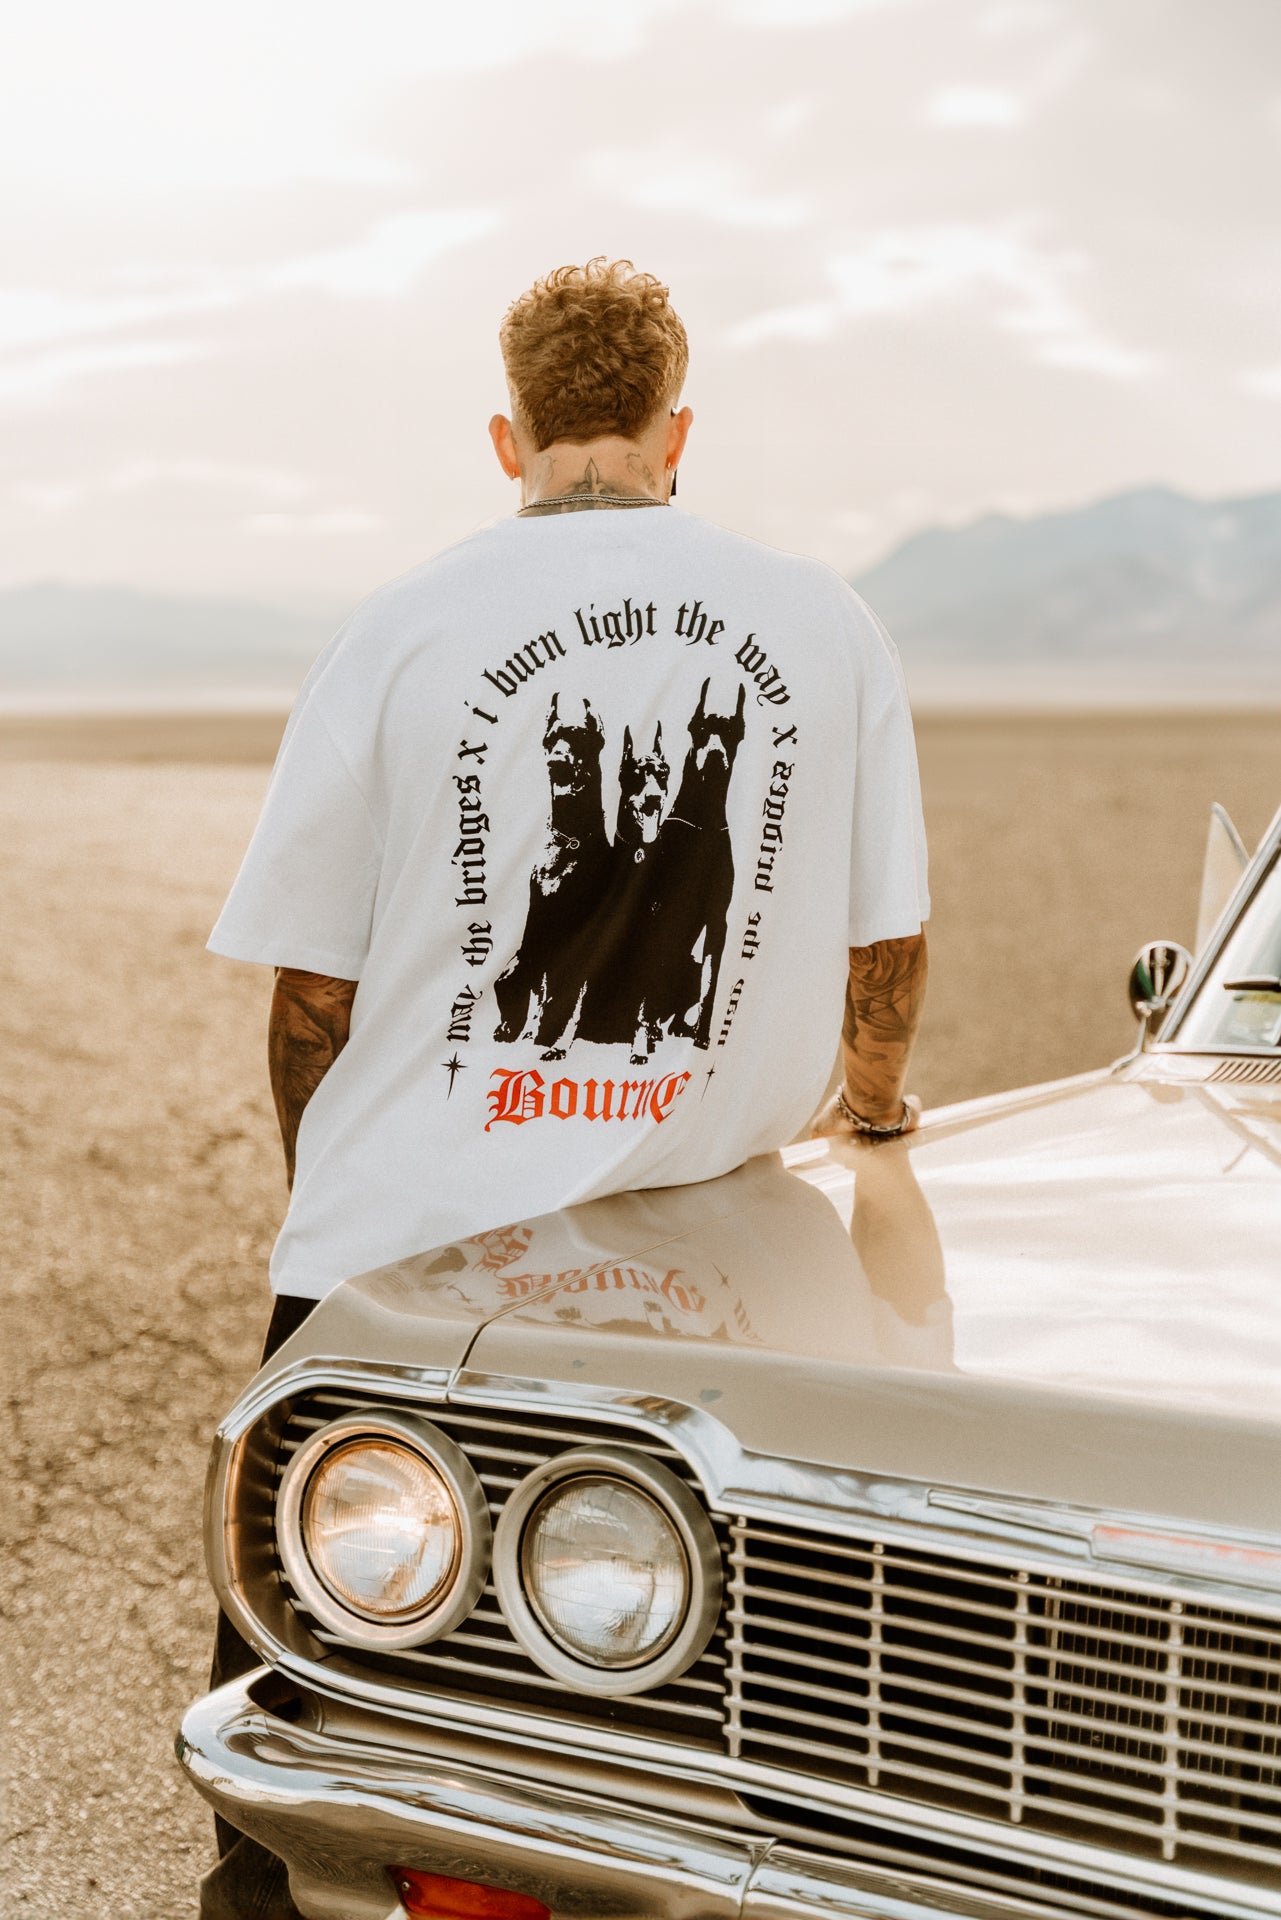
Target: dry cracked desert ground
{"points": [[142, 1182]]}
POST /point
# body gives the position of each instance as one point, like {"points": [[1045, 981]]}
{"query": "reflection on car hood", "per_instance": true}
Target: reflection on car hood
{"points": [[1091, 1267]]}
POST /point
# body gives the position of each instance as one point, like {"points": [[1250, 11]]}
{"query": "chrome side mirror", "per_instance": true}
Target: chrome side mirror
{"points": [[1156, 978]]}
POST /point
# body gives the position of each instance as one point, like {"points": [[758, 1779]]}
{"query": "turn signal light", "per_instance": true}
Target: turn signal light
{"points": [[431, 1896]]}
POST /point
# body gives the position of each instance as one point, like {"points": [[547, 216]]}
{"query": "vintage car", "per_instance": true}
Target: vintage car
{"points": [[879, 1530]]}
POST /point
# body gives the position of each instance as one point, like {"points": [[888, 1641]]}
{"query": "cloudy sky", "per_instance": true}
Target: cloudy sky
{"points": [[934, 256]]}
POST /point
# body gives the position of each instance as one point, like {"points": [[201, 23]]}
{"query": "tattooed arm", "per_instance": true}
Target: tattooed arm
{"points": [[308, 1028], [883, 1000]]}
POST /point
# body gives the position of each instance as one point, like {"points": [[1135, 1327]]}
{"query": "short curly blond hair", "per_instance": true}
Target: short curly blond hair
{"points": [[591, 351]]}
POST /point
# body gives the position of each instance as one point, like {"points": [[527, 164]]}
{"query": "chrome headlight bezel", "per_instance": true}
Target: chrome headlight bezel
{"points": [[436, 1617], [693, 1529]]}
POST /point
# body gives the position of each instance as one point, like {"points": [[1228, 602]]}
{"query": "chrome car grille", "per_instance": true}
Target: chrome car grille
{"points": [[1152, 1724], [482, 1657], [1140, 1722]]}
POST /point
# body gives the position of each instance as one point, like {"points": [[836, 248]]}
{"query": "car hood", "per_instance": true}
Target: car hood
{"points": [[1070, 1293]]}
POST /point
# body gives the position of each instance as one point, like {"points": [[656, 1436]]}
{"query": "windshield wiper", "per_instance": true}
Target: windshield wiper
{"points": [[1254, 983]]}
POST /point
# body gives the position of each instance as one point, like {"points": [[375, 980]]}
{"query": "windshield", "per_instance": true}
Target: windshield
{"points": [[1239, 1002]]}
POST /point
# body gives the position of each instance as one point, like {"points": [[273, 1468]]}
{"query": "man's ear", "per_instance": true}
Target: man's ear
{"points": [[677, 429], [500, 432]]}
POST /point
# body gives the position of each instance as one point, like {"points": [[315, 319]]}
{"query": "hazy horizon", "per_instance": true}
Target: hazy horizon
{"points": [[1146, 599], [306, 601]]}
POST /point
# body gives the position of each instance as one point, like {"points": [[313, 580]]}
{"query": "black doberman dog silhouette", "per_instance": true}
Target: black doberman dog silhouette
{"points": [[642, 795], [610, 1005], [543, 983], [690, 882], [623, 942]]}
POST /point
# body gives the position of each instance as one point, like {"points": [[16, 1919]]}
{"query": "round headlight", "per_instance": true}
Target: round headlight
{"points": [[604, 1569], [608, 1570], [380, 1528], [383, 1529]]}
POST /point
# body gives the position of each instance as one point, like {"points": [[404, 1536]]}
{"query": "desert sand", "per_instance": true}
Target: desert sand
{"points": [[142, 1179]]}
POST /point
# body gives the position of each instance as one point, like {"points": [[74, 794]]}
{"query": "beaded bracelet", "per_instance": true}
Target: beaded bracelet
{"points": [[865, 1127]]}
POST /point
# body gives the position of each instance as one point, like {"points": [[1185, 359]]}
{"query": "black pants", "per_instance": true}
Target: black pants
{"points": [[248, 1883]]}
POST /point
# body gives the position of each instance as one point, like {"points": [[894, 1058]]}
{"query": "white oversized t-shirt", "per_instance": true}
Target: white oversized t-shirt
{"points": [[592, 806]]}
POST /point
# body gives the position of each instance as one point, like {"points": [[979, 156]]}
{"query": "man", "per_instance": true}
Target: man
{"points": [[576, 834]]}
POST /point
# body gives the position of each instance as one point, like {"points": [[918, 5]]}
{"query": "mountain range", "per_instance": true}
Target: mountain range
{"points": [[93, 646], [1146, 597]]}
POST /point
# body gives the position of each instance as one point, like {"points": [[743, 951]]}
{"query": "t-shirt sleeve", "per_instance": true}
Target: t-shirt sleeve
{"points": [[889, 892], [304, 895]]}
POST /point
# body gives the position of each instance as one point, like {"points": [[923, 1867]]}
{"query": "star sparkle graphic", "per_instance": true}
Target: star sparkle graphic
{"points": [[453, 1067]]}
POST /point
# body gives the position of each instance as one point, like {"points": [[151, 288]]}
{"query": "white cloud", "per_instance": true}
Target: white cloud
{"points": [[43, 375], [267, 484], [272, 486], [853, 520], [1008, 17], [1020, 287], [800, 13], [47, 496], [154, 98], [817, 321], [866, 536], [708, 189], [386, 260], [788, 117], [975, 107], [1263, 381], [39, 316], [1079, 350], [383, 264], [390, 257], [331, 520], [911, 267]]}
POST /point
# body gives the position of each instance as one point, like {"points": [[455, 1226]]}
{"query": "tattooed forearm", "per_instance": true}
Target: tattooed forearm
{"points": [[883, 1002], [308, 1028]]}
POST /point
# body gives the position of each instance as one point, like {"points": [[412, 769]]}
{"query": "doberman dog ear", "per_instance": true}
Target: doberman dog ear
{"points": [[742, 700], [627, 744], [658, 738], [591, 720], [700, 711]]}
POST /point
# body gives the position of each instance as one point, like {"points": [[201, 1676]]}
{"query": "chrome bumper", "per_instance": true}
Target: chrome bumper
{"points": [[339, 1811]]}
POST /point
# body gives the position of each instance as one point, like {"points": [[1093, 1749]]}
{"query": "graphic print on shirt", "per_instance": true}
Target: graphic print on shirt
{"points": [[623, 939], [546, 978], [626, 920]]}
